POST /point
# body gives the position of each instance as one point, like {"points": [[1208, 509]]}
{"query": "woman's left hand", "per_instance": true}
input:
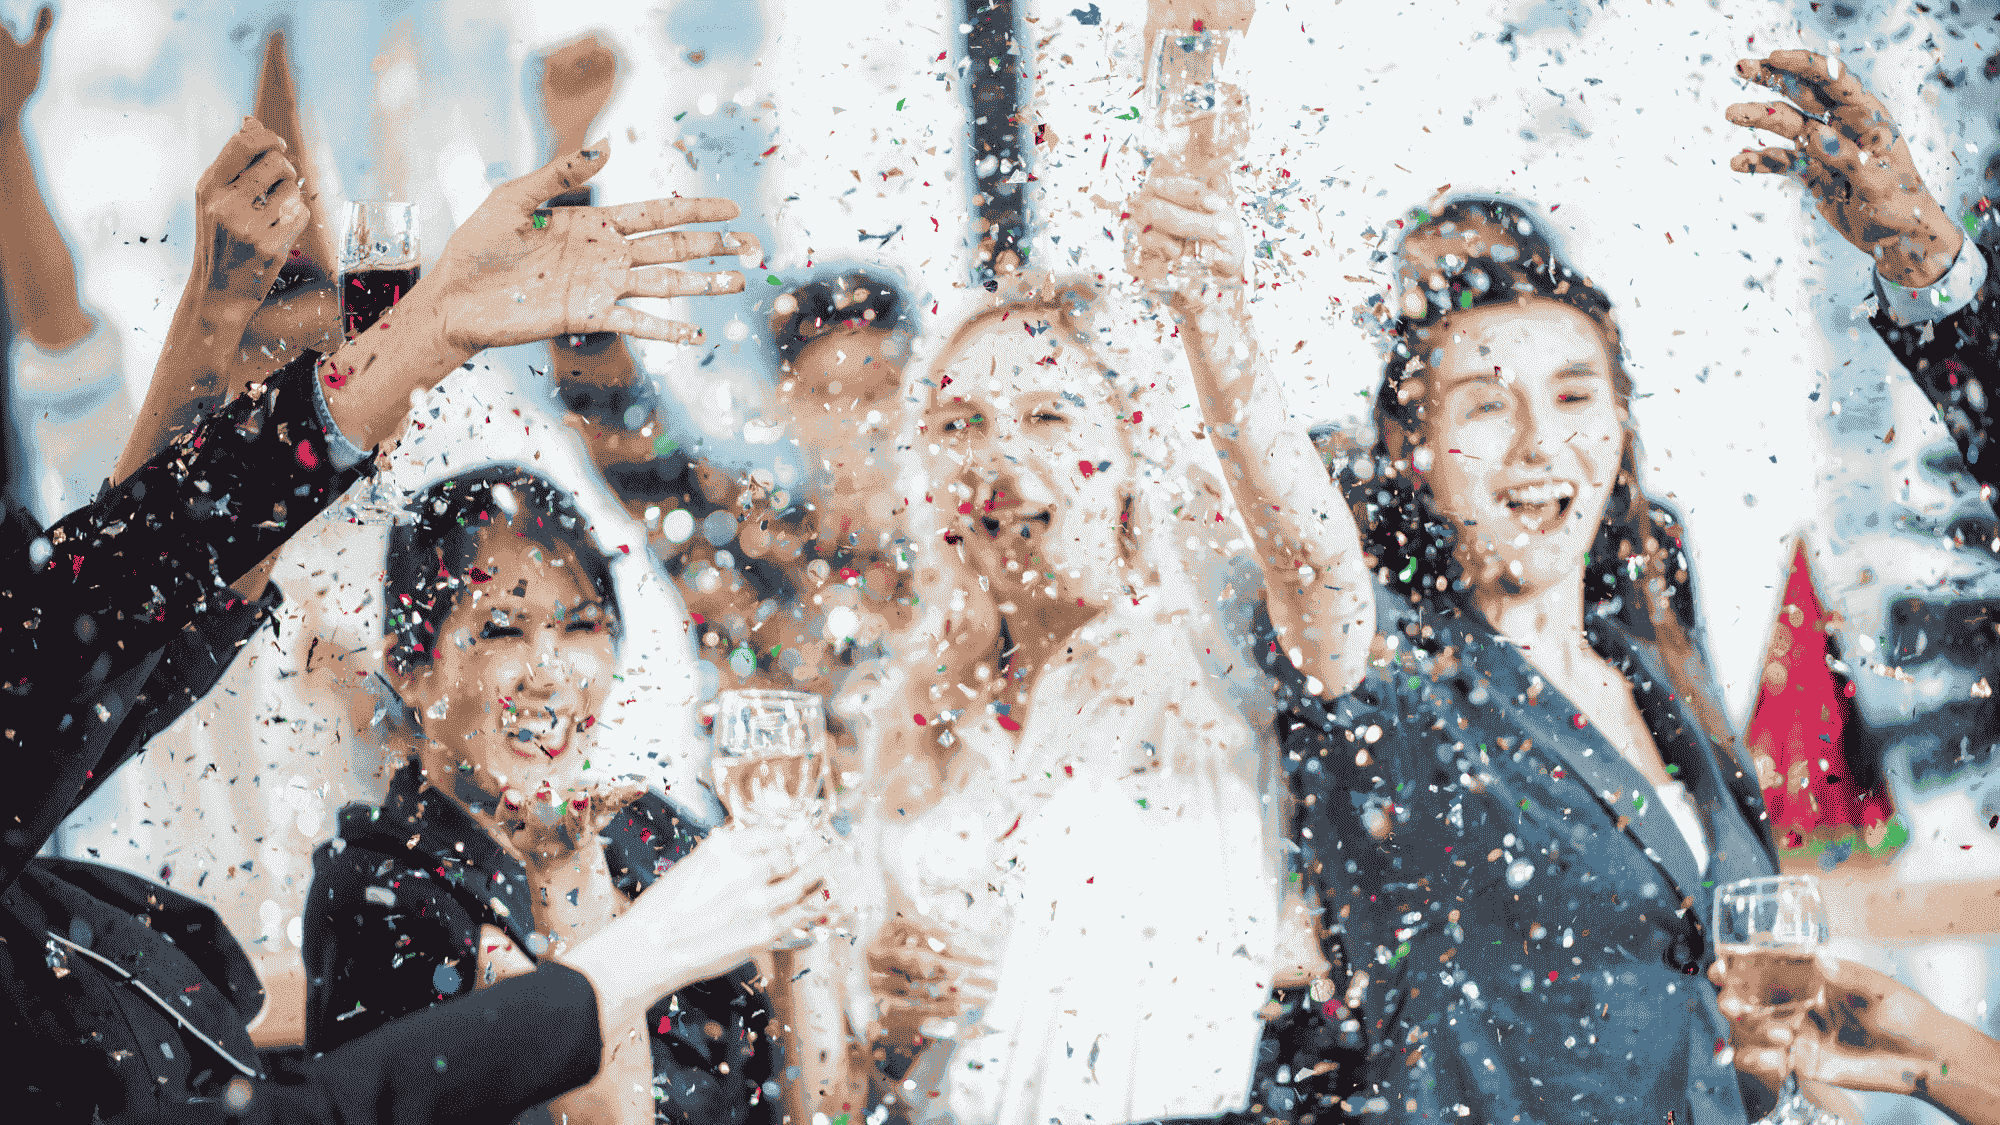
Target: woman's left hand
{"points": [[1853, 159]]}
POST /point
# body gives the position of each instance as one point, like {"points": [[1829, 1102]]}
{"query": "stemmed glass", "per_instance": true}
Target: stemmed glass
{"points": [[378, 261], [1770, 931], [771, 764]]}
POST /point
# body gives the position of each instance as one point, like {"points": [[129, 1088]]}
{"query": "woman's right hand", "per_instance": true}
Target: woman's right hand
{"points": [[1183, 233], [741, 890]]}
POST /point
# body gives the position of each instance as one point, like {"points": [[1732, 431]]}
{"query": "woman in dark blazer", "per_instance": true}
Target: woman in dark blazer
{"points": [[1515, 789], [492, 851]]}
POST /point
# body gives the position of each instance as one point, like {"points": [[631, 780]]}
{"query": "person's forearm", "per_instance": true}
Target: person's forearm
{"points": [[367, 382], [1966, 1081], [208, 325], [1280, 487], [35, 266]]}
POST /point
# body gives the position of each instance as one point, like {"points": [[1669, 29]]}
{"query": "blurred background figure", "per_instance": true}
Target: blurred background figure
{"points": [[66, 362]]}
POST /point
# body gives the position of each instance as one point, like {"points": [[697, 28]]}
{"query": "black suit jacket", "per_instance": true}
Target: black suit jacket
{"points": [[393, 920], [111, 623], [1524, 925]]}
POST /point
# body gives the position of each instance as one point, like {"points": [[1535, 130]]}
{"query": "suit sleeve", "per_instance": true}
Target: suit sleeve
{"points": [[88, 609], [379, 947], [478, 1059], [1956, 363]]}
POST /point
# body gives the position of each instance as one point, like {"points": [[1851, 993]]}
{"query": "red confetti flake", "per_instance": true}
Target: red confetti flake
{"points": [[1553, 974], [666, 1025], [1007, 723], [919, 720], [589, 721], [1086, 468], [1558, 773], [1138, 416], [1092, 879], [304, 452], [965, 509], [770, 150], [1579, 720]]}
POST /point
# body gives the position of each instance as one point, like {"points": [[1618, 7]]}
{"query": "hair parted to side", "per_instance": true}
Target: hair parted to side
{"points": [[839, 296], [1477, 253], [434, 553]]}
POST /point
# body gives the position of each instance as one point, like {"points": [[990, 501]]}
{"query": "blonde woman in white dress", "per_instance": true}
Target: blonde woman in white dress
{"points": [[1088, 831]]}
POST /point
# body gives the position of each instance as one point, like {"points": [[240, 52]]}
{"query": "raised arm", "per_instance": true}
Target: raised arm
{"points": [[1320, 595], [35, 267], [1938, 312], [86, 605], [248, 210]]}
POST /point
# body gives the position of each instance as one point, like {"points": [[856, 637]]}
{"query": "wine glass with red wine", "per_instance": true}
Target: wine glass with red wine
{"points": [[378, 261]]}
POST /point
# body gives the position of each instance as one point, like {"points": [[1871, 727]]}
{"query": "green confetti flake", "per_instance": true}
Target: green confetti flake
{"points": [[1972, 222], [1465, 299], [1143, 804], [772, 279], [1131, 115], [541, 221], [681, 114], [664, 445], [1639, 802], [1409, 571], [899, 106]]}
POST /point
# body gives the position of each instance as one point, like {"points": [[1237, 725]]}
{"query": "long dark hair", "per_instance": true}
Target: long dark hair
{"points": [[1637, 570]]}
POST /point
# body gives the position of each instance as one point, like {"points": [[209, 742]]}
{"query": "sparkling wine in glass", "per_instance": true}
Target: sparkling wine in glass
{"points": [[1769, 930], [1195, 89], [772, 763], [378, 261]]}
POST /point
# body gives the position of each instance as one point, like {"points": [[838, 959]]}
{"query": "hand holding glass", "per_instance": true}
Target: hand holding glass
{"points": [[771, 761], [1769, 932]]}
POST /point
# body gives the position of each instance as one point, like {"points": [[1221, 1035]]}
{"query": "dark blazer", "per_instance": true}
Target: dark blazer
{"points": [[1528, 939], [393, 920], [111, 624], [1955, 361]]}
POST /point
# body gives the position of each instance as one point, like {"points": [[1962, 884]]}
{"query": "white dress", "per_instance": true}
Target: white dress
{"points": [[1140, 930]]}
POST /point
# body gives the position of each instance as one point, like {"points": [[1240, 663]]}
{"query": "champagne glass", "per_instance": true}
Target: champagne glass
{"points": [[1770, 930], [772, 763], [378, 261], [1195, 83]]}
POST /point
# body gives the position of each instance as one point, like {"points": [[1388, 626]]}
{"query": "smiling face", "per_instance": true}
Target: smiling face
{"points": [[1525, 436], [522, 668], [1024, 430]]}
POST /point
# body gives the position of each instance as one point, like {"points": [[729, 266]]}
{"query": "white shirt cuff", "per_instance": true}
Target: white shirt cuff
{"points": [[1952, 292], [343, 453]]}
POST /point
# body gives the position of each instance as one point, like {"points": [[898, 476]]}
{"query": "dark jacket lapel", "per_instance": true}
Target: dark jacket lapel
{"points": [[1546, 717]]}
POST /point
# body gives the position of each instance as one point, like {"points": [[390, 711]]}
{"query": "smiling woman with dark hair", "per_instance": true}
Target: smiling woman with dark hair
{"points": [[493, 850]]}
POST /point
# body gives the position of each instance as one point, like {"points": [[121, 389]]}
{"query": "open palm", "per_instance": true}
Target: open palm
{"points": [[513, 274]]}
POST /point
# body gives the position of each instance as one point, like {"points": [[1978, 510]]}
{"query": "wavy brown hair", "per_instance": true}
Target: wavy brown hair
{"points": [[1637, 568]]}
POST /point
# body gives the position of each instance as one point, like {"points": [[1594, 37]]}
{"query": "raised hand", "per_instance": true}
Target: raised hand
{"points": [[1183, 233], [577, 82], [251, 209], [513, 274], [739, 891], [1850, 155], [21, 67]]}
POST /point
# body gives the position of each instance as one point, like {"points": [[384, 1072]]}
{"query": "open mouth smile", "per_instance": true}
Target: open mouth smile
{"points": [[1543, 503]]}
